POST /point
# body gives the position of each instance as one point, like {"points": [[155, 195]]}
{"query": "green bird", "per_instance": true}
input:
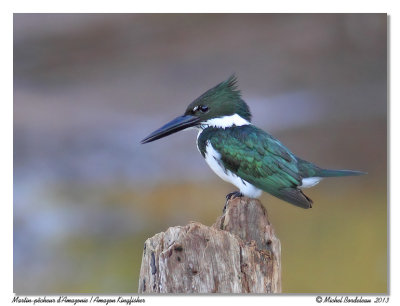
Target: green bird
{"points": [[242, 154]]}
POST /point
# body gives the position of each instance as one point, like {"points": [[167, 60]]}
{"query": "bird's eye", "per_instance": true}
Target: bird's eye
{"points": [[204, 109]]}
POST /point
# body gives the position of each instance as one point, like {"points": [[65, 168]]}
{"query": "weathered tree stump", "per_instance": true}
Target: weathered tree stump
{"points": [[238, 254]]}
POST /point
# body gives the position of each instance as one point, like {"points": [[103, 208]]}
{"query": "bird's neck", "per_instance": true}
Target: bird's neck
{"points": [[225, 122]]}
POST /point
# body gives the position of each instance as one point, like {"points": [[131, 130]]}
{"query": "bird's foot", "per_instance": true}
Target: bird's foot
{"points": [[230, 196], [233, 195]]}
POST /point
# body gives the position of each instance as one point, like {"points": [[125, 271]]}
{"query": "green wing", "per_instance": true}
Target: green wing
{"points": [[261, 160]]}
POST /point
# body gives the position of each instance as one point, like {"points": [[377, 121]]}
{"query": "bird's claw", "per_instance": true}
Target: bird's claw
{"points": [[233, 195]]}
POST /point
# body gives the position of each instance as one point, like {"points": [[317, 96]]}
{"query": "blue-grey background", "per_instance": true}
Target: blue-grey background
{"points": [[89, 87]]}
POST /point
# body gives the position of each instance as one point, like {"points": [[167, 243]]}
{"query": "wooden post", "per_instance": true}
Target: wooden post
{"points": [[238, 254]]}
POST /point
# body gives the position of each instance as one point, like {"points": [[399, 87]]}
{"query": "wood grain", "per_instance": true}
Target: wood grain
{"points": [[238, 254]]}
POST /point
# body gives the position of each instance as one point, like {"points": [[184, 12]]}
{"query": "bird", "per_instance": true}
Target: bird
{"points": [[243, 154]]}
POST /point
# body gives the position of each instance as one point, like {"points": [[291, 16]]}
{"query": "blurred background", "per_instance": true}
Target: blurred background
{"points": [[89, 87]]}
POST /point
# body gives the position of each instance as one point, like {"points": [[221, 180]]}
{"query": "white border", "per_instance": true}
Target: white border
{"points": [[337, 6]]}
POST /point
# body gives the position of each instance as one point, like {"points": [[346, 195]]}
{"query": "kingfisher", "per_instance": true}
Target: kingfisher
{"points": [[241, 153]]}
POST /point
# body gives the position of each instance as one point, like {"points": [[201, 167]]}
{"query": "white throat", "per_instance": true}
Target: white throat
{"points": [[225, 122]]}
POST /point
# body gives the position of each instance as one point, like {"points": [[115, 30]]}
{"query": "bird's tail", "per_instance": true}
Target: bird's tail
{"points": [[332, 173]]}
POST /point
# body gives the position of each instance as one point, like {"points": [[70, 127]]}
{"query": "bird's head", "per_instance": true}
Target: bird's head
{"points": [[220, 106]]}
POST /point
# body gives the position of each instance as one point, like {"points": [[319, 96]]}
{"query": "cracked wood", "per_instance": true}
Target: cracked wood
{"points": [[238, 254]]}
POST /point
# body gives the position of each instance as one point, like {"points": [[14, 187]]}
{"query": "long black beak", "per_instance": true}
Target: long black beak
{"points": [[176, 125]]}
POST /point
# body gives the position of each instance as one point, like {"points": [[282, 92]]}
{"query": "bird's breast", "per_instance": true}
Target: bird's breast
{"points": [[213, 159]]}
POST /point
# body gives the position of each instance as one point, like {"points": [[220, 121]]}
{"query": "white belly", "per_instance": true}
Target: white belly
{"points": [[213, 159]]}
